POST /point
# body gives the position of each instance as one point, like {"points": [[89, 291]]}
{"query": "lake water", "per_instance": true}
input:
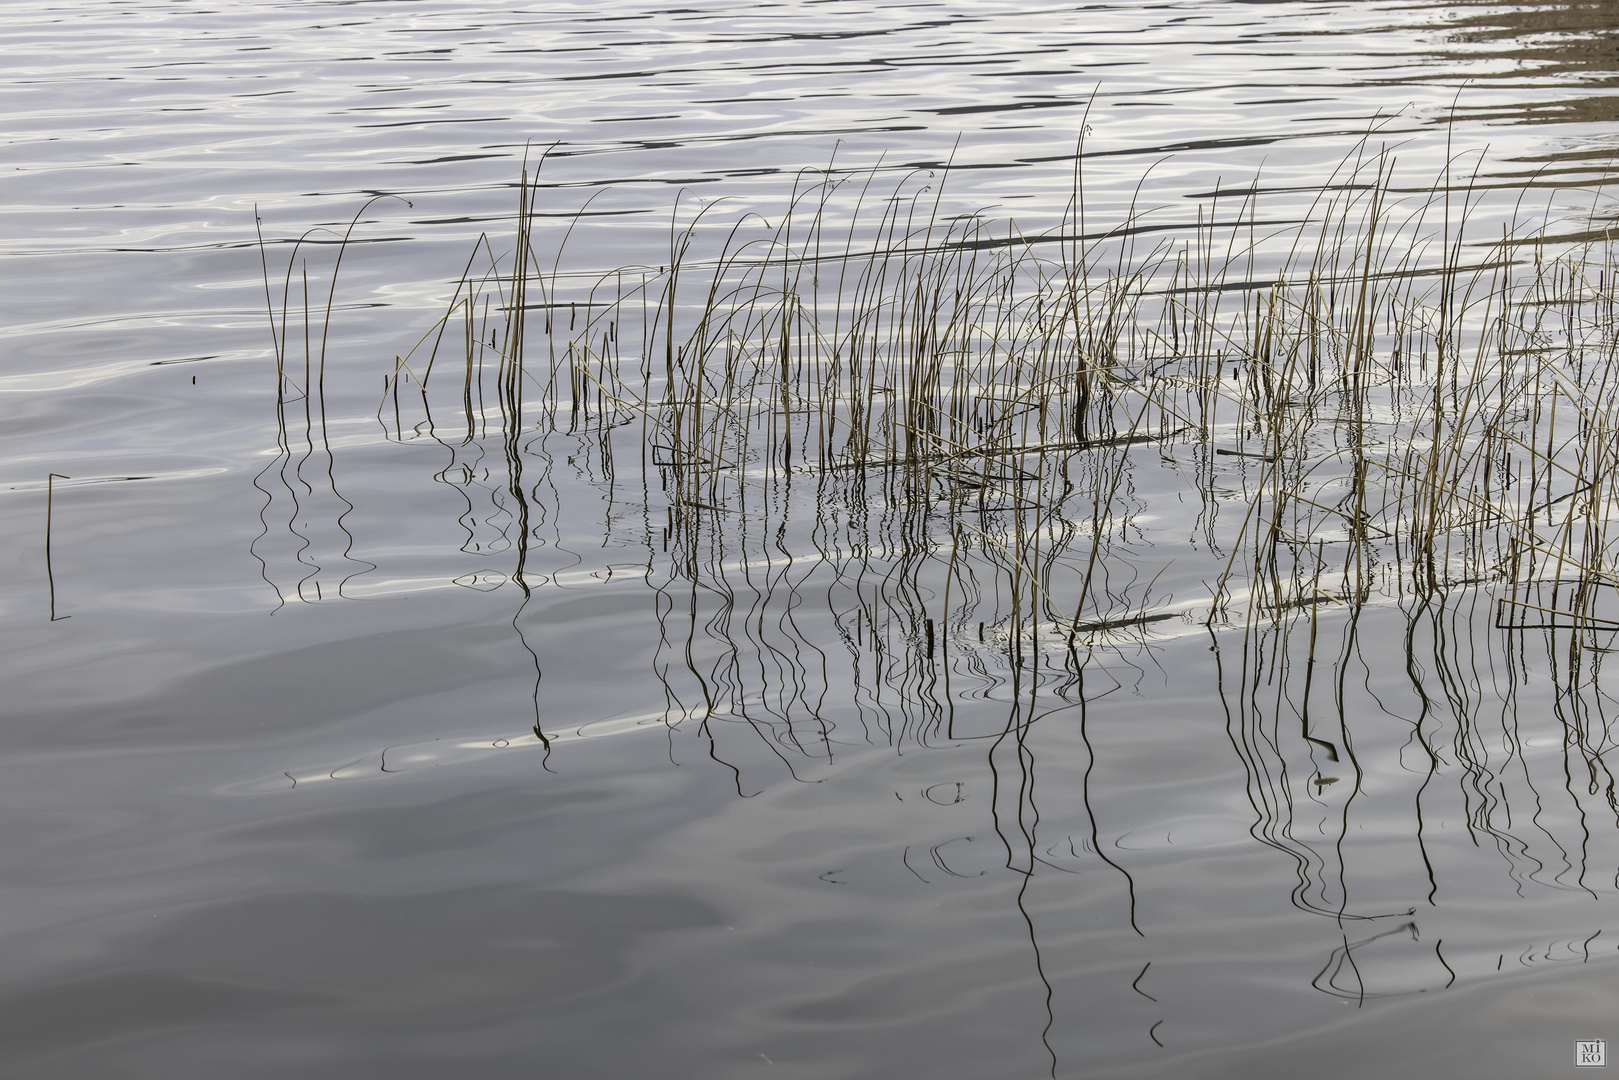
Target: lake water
{"points": [[337, 746]]}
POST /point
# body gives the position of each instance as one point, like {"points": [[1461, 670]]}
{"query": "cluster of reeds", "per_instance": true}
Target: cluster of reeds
{"points": [[1416, 407], [869, 447]]}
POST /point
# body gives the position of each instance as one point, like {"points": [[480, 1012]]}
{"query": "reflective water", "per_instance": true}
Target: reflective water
{"points": [[338, 745]]}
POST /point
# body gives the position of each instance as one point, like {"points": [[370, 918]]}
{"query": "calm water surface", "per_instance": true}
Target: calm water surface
{"points": [[310, 775]]}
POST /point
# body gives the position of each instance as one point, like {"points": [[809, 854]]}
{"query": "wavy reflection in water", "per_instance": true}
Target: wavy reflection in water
{"points": [[300, 485], [1538, 46], [911, 478]]}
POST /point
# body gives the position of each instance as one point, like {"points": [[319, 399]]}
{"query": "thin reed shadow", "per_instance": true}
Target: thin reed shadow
{"points": [[50, 574]]}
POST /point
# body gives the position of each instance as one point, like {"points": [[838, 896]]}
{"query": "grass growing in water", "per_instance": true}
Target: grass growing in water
{"points": [[1410, 408], [867, 447]]}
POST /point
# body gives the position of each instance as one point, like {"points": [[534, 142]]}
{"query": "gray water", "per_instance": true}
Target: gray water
{"points": [[303, 772]]}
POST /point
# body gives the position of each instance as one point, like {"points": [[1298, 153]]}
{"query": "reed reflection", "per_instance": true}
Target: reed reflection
{"points": [[300, 485], [907, 477], [1571, 43]]}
